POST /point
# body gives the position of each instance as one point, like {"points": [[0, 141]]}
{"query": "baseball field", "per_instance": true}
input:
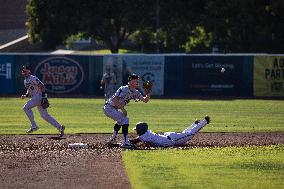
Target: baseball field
{"points": [[243, 146]]}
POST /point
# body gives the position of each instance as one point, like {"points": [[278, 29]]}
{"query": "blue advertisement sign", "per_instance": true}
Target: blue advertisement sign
{"points": [[205, 75], [6, 76], [60, 74]]}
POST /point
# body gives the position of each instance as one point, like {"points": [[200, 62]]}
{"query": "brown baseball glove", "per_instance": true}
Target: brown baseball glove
{"points": [[147, 86]]}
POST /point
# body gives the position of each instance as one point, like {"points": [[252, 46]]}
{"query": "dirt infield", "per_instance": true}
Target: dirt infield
{"points": [[43, 161]]}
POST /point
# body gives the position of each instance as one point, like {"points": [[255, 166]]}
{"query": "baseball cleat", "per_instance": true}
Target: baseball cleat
{"points": [[111, 141], [62, 131], [32, 129], [207, 118]]}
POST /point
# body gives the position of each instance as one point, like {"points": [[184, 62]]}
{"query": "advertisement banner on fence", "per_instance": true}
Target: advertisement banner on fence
{"points": [[203, 75], [268, 76], [149, 68], [60, 74], [6, 80]]}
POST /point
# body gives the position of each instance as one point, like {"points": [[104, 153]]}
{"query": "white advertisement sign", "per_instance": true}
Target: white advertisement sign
{"points": [[149, 68]]}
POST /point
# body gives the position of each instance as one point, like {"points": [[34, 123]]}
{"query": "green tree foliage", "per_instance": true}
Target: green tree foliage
{"points": [[113, 21], [52, 21], [241, 26], [199, 38], [246, 25], [179, 20], [145, 39], [110, 21]]}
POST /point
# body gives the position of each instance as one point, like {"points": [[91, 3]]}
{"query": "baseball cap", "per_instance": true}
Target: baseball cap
{"points": [[133, 76], [25, 67]]}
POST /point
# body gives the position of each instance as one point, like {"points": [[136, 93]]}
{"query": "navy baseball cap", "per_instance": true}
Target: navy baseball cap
{"points": [[25, 67], [133, 76]]}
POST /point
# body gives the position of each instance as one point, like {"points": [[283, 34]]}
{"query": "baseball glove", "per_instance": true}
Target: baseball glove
{"points": [[147, 86], [44, 103]]}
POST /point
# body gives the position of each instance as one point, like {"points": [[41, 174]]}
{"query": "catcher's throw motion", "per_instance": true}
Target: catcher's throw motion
{"points": [[35, 90]]}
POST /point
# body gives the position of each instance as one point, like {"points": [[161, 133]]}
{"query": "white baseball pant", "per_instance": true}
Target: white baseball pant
{"points": [[33, 102], [115, 114]]}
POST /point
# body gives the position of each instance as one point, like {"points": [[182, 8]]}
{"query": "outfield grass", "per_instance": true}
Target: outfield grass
{"points": [[86, 116], [234, 167]]}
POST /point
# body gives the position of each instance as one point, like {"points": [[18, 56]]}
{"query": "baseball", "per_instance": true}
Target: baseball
{"points": [[223, 70]]}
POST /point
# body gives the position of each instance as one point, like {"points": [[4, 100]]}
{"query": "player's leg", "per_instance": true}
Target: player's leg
{"points": [[45, 115], [121, 120], [194, 128], [116, 128], [33, 102], [181, 138], [125, 134]]}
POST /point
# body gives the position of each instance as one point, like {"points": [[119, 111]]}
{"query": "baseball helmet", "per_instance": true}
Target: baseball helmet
{"points": [[141, 128], [133, 76]]}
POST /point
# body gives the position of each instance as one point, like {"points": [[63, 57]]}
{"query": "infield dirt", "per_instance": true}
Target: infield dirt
{"points": [[44, 161]]}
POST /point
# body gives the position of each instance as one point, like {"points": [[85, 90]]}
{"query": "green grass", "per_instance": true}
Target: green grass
{"points": [[250, 167], [242, 167], [86, 115]]}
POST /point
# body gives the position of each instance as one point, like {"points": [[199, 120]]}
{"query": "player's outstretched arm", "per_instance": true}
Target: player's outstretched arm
{"points": [[146, 98], [135, 141]]}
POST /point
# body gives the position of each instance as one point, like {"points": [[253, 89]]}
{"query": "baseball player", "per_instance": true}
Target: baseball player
{"points": [[36, 90], [115, 107], [108, 81], [168, 138]]}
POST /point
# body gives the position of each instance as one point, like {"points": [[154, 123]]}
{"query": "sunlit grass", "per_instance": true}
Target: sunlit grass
{"points": [[234, 167], [83, 115]]}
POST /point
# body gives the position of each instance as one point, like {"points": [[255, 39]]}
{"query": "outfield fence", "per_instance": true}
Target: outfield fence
{"points": [[173, 75]]}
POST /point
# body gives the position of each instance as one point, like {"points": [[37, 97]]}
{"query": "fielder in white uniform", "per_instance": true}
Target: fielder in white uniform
{"points": [[36, 90], [115, 107], [168, 138]]}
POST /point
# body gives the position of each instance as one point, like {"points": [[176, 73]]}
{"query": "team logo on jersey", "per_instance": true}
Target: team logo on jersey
{"points": [[60, 74]]}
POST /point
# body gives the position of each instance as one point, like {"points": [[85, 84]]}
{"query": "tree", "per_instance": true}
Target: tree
{"points": [[175, 26], [180, 21], [113, 21], [245, 26], [51, 21], [110, 21]]}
